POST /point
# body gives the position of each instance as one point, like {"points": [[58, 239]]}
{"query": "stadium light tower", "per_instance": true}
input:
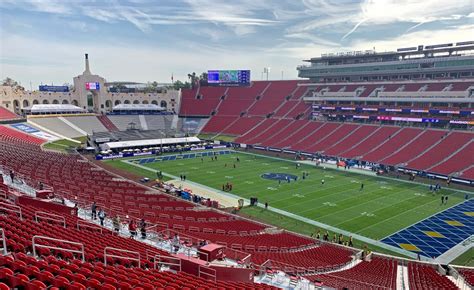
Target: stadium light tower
{"points": [[266, 70]]}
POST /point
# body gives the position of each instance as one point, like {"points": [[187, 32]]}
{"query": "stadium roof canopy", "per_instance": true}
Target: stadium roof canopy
{"points": [[53, 108], [138, 107], [149, 142]]}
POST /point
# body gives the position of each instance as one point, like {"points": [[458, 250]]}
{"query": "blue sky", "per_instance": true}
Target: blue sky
{"points": [[43, 41]]}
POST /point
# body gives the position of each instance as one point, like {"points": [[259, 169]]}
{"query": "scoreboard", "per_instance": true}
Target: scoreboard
{"points": [[228, 77], [92, 86]]}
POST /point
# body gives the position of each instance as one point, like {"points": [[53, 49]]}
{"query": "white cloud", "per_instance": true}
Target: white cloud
{"points": [[425, 37], [129, 62]]}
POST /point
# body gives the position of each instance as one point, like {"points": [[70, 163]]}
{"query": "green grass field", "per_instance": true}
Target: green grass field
{"points": [[383, 207]]}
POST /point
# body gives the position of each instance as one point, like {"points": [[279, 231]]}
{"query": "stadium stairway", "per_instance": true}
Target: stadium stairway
{"points": [[107, 123]]}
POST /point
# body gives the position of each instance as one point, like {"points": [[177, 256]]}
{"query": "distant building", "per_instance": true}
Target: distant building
{"points": [[92, 93]]}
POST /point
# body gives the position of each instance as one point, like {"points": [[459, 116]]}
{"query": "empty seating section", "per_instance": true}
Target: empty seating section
{"points": [[273, 97], [461, 86], [449, 144], [436, 87], [426, 277], [333, 138], [262, 126], [352, 139], [20, 232], [297, 109], [378, 273], [274, 129], [239, 99], [414, 87], [264, 107], [125, 122], [6, 114], [417, 146], [243, 125], [56, 125], [260, 242], [234, 107], [381, 135], [402, 138], [368, 90], [316, 136], [286, 132], [107, 123], [51, 273], [22, 271], [316, 257], [9, 134], [87, 123], [191, 125], [468, 173], [468, 275], [192, 106], [218, 123], [198, 107], [299, 93], [158, 122], [457, 162], [304, 131]]}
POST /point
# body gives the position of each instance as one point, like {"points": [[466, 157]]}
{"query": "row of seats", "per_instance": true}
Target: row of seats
{"points": [[22, 271], [468, 275], [6, 114], [426, 277], [10, 134], [379, 272]]}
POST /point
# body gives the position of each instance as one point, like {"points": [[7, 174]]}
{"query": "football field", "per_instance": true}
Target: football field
{"points": [[382, 207]]}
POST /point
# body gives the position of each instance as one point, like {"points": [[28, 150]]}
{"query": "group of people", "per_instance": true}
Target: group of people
{"points": [[444, 199], [234, 165], [97, 212], [182, 177], [133, 228], [435, 188], [335, 239]]}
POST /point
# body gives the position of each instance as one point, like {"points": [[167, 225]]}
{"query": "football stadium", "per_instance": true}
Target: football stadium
{"points": [[357, 174]]}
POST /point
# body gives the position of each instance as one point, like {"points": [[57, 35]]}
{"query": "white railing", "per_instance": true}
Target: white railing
{"points": [[36, 244], [461, 282], [41, 215], [109, 255], [88, 225], [4, 242], [11, 208], [206, 273], [171, 262]]}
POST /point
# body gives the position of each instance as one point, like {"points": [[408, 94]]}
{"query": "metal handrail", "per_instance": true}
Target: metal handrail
{"points": [[8, 207], [202, 273], [4, 242], [36, 245], [85, 224], [121, 257], [158, 261], [50, 217]]}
